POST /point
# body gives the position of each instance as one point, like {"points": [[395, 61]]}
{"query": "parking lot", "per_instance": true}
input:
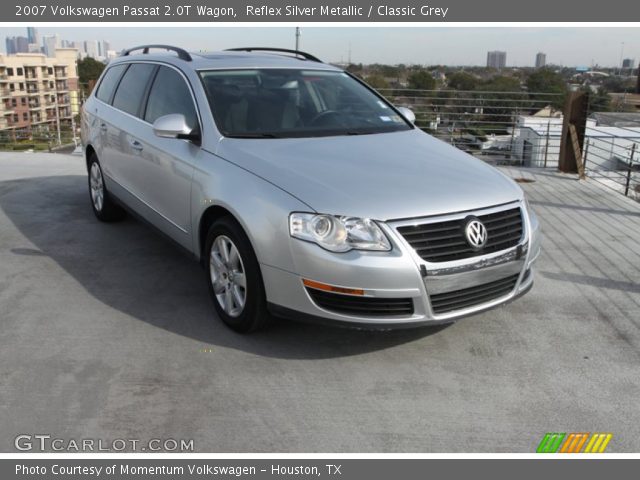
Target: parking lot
{"points": [[107, 331]]}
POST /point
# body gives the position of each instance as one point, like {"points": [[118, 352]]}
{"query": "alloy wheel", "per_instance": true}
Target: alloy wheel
{"points": [[228, 276]]}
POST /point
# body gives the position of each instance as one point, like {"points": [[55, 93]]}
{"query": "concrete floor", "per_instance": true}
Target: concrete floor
{"points": [[107, 331]]}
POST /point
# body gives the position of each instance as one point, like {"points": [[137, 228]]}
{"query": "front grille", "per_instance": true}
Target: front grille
{"points": [[445, 241], [468, 297], [362, 306]]}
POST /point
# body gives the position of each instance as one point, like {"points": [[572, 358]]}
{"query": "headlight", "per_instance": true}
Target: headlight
{"points": [[338, 234]]}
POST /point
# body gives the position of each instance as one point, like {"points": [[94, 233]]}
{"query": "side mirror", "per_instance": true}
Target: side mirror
{"points": [[173, 125], [407, 114]]}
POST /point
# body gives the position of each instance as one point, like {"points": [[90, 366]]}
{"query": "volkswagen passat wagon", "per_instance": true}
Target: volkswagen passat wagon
{"points": [[303, 192]]}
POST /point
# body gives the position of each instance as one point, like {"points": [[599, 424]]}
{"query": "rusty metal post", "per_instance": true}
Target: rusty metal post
{"points": [[629, 169], [575, 113]]}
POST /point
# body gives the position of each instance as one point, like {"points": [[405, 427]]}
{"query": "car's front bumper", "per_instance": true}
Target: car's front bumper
{"points": [[401, 274]]}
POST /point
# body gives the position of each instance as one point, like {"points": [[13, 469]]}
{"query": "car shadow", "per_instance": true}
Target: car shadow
{"points": [[132, 268]]}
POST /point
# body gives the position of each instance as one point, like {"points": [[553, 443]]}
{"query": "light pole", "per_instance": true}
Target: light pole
{"points": [[297, 38], [621, 55]]}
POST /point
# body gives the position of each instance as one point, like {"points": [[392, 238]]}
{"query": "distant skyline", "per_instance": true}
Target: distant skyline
{"points": [[569, 46]]}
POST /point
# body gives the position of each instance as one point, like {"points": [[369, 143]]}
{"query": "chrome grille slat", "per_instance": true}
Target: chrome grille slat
{"points": [[445, 241]]}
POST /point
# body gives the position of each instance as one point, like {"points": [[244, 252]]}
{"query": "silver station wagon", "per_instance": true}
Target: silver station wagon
{"points": [[303, 192]]}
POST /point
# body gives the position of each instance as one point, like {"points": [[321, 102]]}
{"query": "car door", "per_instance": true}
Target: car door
{"points": [[166, 165], [100, 115], [124, 123]]}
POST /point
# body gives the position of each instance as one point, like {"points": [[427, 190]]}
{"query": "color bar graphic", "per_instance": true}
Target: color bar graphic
{"points": [[573, 442]]}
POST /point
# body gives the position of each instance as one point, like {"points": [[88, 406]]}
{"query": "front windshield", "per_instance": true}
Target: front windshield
{"points": [[281, 103]]}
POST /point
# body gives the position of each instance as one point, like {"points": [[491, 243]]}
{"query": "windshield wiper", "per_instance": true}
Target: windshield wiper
{"points": [[358, 133], [254, 135]]}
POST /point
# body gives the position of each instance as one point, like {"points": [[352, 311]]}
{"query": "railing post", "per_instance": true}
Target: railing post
{"points": [[629, 168], [575, 113], [586, 153], [546, 144]]}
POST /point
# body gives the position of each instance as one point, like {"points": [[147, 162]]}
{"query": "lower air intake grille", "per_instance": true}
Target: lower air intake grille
{"points": [[468, 297], [362, 306]]}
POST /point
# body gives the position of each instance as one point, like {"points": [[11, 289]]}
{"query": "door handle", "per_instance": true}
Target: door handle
{"points": [[136, 145]]}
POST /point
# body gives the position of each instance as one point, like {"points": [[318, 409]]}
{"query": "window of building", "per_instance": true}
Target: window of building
{"points": [[10, 71], [130, 91], [25, 116], [15, 117], [14, 102], [170, 94], [22, 87], [12, 86], [20, 72], [23, 101]]}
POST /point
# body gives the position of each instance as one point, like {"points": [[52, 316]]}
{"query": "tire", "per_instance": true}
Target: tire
{"points": [[105, 209], [234, 278]]}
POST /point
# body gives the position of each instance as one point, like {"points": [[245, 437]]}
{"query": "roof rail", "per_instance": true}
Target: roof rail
{"points": [[305, 55], [182, 54]]}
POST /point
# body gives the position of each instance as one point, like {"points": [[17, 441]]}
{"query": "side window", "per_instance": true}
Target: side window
{"points": [[130, 92], [170, 94], [109, 83]]}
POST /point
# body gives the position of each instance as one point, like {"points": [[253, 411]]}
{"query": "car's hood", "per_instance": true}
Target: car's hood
{"points": [[383, 176]]}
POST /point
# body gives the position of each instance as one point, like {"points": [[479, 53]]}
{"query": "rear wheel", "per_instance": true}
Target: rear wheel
{"points": [[103, 206], [235, 281]]}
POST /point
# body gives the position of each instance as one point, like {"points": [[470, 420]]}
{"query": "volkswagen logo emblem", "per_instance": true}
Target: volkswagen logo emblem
{"points": [[476, 233]]}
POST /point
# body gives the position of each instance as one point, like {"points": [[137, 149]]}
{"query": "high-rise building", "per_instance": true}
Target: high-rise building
{"points": [[628, 63], [50, 44], [541, 59], [91, 48], [17, 45], [106, 46], [496, 59], [32, 35]]}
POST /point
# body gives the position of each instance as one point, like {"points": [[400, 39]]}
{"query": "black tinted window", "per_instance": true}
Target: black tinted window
{"points": [[109, 83], [170, 94], [131, 89]]}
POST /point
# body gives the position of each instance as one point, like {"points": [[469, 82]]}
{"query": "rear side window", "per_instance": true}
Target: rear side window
{"points": [[170, 94], [131, 89], [109, 83]]}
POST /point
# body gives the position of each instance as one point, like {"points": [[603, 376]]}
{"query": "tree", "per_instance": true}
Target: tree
{"points": [[462, 81], [421, 80], [503, 103], [89, 69], [377, 81], [546, 81], [500, 83], [599, 101]]}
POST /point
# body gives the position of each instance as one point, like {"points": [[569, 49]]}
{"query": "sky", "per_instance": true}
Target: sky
{"points": [[569, 46]]}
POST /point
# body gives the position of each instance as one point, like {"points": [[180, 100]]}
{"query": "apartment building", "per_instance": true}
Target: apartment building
{"points": [[37, 92]]}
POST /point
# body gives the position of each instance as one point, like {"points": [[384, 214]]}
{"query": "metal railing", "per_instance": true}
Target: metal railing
{"points": [[501, 127], [611, 151]]}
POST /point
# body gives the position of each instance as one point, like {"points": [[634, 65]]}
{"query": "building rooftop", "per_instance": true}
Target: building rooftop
{"points": [[100, 319]]}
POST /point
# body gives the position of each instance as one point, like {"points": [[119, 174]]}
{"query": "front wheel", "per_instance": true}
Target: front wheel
{"points": [[234, 278]]}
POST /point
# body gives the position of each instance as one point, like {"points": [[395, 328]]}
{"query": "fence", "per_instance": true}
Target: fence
{"points": [[522, 128], [611, 151], [501, 127]]}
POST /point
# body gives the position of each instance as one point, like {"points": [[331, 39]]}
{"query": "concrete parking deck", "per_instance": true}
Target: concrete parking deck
{"points": [[107, 331]]}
